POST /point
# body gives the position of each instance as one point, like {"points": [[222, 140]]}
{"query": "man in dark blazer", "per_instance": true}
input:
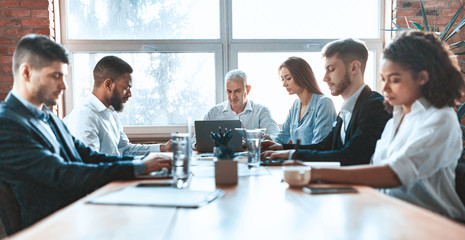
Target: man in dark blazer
{"points": [[46, 167], [362, 118]]}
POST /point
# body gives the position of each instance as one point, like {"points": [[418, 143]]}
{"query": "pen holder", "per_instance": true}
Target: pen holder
{"points": [[226, 172]]}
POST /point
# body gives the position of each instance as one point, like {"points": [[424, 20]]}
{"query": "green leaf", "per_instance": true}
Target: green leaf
{"points": [[423, 13], [456, 29], [460, 53], [417, 25], [397, 26], [451, 22], [457, 45]]}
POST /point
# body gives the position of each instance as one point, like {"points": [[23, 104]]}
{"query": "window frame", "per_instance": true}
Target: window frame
{"points": [[226, 50]]}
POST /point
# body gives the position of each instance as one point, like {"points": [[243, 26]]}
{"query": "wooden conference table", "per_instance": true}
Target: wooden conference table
{"points": [[259, 207]]}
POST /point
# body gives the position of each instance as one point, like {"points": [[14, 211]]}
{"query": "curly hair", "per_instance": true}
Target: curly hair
{"points": [[417, 51], [302, 73]]}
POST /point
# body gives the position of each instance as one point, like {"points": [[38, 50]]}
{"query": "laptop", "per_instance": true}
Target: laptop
{"points": [[203, 129]]}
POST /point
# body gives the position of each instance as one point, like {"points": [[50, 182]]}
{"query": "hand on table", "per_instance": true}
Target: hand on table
{"points": [[270, 145], [284, 154], [156, 162]]}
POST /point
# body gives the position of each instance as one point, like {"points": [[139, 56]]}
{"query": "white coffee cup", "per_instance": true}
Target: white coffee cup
{"points": [[297, 176]]}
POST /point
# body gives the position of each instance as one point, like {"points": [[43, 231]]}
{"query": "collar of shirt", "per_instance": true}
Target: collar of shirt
{"points": [[227, 107], [349, 104], [419, 105], [98, 105], [39, 114]]}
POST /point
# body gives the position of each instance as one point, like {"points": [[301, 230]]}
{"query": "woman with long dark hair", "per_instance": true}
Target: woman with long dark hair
{"points": [[311, 116]]}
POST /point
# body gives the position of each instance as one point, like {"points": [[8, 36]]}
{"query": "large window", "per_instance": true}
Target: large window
{"points": [[181, 49]]}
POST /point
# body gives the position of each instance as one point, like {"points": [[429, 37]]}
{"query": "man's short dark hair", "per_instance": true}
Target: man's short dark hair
{"points": [[38, 51], [347, 50], [110, 67]]}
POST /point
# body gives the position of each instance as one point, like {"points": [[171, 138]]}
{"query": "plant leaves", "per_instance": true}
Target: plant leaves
{"points": [[397, 26], [457, 45], [456, 29], [423, 13], [460, 53], [451, 22], [417, 25]]}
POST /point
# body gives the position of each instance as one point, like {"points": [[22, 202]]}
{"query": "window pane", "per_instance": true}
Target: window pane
{"points": [[266, 84], [167, 87], [143, 19], [312, 19]]}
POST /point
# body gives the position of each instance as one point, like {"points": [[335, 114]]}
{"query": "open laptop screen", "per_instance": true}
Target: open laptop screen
{"points": [[203, 128]]}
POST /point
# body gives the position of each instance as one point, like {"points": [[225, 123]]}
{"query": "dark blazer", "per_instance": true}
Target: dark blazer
{"points": [[43, 174], [365, 127]]}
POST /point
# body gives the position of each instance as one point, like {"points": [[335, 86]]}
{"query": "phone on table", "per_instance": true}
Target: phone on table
{"points": [[329, 190]]}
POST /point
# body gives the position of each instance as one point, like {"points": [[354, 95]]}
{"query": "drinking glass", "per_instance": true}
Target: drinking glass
{"points": [[180, 146], [254, 138]]}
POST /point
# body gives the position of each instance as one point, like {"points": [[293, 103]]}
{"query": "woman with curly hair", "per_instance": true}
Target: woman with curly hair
{"points": [[415, 158]]}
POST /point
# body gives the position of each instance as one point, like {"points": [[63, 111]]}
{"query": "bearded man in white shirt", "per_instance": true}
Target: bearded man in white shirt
{"points": [[96, 121], [252, 115]]}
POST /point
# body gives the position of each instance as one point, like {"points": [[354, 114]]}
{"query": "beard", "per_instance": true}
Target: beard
{"points": [[342, 85], [117, 103]]}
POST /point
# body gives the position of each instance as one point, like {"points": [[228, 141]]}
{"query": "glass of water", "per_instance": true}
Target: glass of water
{"points": [[254, 138], [180, 145]]}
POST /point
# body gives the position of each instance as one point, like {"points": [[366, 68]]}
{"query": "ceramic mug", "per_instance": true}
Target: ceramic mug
{"points": [[297, 176]]}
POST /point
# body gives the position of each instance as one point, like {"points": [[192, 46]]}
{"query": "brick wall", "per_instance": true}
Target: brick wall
{"points": [[438, 11], [18, 18]]}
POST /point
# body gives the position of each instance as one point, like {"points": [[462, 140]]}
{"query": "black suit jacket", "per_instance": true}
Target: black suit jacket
{"points": [[365, 127], [43, 174]]}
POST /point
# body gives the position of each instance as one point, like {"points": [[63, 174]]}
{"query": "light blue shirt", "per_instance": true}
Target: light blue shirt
{"points": [[100, 128], [316, 123], [254, 116]]}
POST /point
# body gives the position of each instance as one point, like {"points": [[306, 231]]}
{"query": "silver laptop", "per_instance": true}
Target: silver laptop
{"points": [[203, 129]]}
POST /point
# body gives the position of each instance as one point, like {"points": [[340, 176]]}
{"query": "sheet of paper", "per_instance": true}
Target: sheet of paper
{"points": [[158, 197]]}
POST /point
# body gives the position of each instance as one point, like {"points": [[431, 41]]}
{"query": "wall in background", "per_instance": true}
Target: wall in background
{"points": [[438, 11], [18, 18]]}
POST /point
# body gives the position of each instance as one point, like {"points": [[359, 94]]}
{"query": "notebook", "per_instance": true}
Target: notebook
{"points": [[203, 128]]}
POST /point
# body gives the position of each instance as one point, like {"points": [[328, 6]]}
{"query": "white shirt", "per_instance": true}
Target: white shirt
{"points": [[424, 155], [254, 116], [346, 112], [99, 128]]}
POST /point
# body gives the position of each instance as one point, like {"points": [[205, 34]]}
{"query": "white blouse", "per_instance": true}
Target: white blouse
{"points": [[424, 154]]}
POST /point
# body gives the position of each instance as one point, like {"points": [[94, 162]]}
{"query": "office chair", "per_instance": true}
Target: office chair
{"points": [[10, 214]]}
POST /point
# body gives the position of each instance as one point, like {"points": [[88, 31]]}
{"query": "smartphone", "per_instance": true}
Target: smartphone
{"points": [[156, 184], [330, 190]]}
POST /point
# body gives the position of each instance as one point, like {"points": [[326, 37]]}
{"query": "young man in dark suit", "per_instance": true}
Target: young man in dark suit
{"points": [[45, 166], [362, 118]]}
